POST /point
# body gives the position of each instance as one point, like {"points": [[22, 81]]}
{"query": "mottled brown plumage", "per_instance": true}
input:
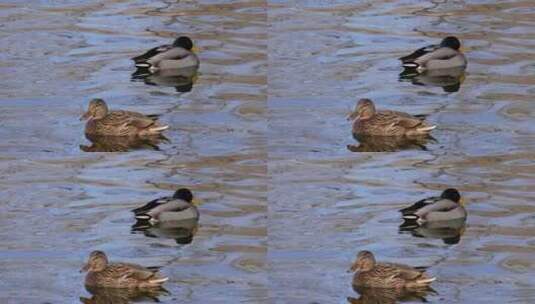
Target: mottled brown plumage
{"points": [[119, 275], [119, 123], [386, 275], [368, 121]]}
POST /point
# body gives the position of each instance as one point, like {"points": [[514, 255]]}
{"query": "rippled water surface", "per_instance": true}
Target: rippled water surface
{"points": [[262, 140]]}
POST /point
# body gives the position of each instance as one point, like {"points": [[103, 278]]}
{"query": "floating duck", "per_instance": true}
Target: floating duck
{"points": [[368, 121], [387, 275], [102, 122], [100, 273], [446, 55]]}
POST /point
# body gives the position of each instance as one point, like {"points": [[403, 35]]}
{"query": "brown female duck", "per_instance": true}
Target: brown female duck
{"points": [[386, 275], [119, 275], [368, 121], [119, 123]]}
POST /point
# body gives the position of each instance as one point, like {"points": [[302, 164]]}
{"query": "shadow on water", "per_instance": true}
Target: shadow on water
{"points": [[450, 80], [181, 79], [180, 231], [450, 232], [123, 143], [390, 143], [389, 296], [101, 295]]}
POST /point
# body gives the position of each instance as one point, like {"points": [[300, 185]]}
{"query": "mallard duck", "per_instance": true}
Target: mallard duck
{"points": [[386, 275], [447, 207], [100, 273], [102, 122], [179, 207], [368, 121], [178, 55], [443, 56]]}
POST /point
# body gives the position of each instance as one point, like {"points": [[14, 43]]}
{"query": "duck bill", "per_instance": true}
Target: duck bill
{"points": [[353, 268], [196, 202], [462, 202], [195, 49], [353, 116], [86, 116], [85, 268]]}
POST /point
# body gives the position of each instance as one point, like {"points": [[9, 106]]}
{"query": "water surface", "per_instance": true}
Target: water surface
{"points": [[261, 138]]}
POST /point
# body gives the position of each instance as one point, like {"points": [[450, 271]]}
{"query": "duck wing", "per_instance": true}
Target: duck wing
{"points": [[443, 53], [392, 271], [395, 119], [127, 118], [175, 205], [419, 205], [443, 205], [151, 53], [418, 53], [152, 204], [175, 53], [132, 271]]}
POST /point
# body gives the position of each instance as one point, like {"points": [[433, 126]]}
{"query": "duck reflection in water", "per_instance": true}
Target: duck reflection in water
{"points": [[100, 295], [390, 143], [123, 143], [370, 295], [181, 79], [450, 80], [181, 231], [449, 231]]}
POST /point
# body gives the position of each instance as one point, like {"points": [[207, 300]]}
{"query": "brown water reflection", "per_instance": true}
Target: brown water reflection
{"points": [[239, 150]]}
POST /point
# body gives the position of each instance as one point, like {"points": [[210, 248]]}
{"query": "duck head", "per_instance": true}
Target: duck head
{"points": [[183, 42], [363, 110], [97, 110], [365, 261], [451, 42], [453, 195], [184, 194], [97, 262]]}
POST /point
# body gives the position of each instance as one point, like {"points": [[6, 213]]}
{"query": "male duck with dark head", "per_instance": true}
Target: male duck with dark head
{"points": [[101, 273], [178, 207], [447, 207], [446, 55], [387, 275], [178, 55], [367, 121], [102, 122]]}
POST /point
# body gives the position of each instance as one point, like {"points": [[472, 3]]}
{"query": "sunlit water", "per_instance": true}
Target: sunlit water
{"points": [[262, 139]]}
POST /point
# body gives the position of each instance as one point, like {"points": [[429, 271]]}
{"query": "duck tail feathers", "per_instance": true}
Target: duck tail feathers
{"points": [[409, 65], [158, 129], [411, 217], [425, 281], [143, 217], [143, 64], [158, 280], [426, 129]]}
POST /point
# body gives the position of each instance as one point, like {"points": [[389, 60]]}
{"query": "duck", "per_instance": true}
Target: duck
{"points": [[178, 207], [367, 121], [102, 122], [387, 275], [101, 273], [178, 55], [449, 206], [445, 55]]}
